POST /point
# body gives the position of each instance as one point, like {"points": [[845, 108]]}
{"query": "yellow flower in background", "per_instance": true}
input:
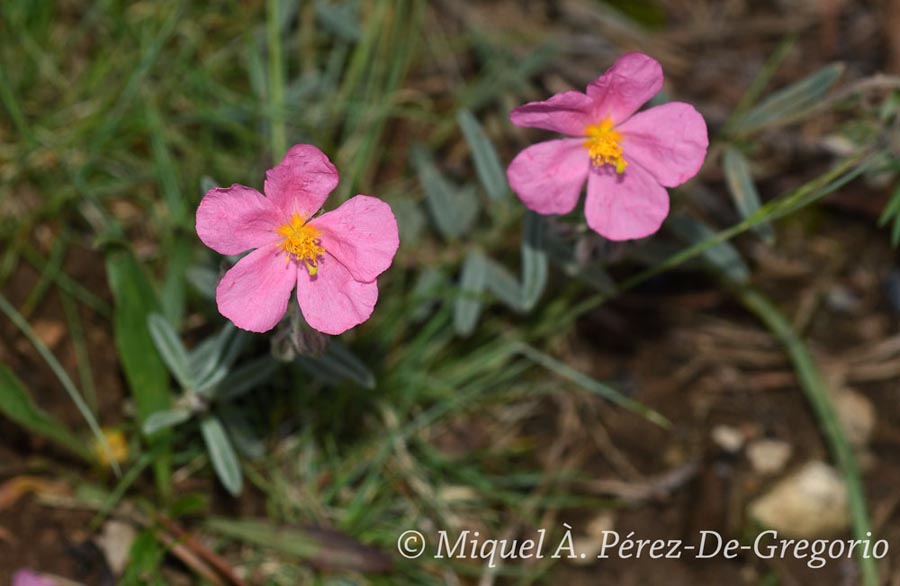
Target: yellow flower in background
{"points": [[118, 445]]}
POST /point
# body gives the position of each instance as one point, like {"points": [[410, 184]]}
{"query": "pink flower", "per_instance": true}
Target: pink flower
{"points": [[26, 577], [627, 159], [333, 259]]}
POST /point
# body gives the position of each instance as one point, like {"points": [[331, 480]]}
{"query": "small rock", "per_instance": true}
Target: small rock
{"points": [[769, 456], [809, 504], [50, 332], [115, 542], [728, 438], [857, 416]]}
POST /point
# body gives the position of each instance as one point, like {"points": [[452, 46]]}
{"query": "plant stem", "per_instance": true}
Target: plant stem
{"points": [[809, 193], [276, 79]]}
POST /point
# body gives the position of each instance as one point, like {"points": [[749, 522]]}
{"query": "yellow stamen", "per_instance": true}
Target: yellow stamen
{"points": [[603, 145], [301, 240]]}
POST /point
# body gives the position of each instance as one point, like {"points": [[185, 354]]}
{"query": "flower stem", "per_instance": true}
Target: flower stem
{"points": [[276, 79]]}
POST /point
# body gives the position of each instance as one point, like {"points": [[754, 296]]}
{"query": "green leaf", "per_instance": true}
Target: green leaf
{"points": [[723, 255], [241, 433], [221, 453], [338, 364], [504, 285], [135, 301], [203, 280], [790, 103], [534, 260], [468, 304], [16, 404], [169, 345], [174, 292], [453, 209], [245, 378], [487, 163], [743, 190], [145, 559], [165, 419], [147, 376]]}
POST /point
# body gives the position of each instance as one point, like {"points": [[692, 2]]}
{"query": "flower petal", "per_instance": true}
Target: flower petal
{"points": [[566, 113], [669, 141], [548, 176], [302, 181], [254, 293], [235, 219], [632, 80], [361, 234], [626, 206], [26, 577], [333, 301]]}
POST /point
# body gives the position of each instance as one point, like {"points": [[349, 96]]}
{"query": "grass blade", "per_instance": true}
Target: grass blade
{"points": [[591, 385], [16, 404], [817, 393], [85, 411], [723, 255]]}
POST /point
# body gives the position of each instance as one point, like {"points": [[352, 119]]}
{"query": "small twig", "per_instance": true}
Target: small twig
{"points": [[199, 550], [653, 489]]}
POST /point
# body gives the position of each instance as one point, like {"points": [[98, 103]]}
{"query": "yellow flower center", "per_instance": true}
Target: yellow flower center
{"points": [[301, 240], [603, 146]]}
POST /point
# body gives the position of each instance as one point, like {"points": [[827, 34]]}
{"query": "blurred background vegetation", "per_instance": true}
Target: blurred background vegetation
{"points": [[519, 372]]}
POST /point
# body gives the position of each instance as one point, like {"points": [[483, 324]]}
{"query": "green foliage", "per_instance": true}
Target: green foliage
{"points": [[17, 405], [189, 93]]}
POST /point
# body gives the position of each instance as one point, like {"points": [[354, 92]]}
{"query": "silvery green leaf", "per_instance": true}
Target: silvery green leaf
{"points": [[790, 103], [207, 387], [468, 304], [233, 342], [165, 419], [221, 453], [504, 285], [487, 163], [204, 280], [245, 378], [204, 358], [410, 219], [723, 256], [453, 209], [340, 19], [534, 260], [241, 433], [743, 190], [170, 348], [207, 183], [338, 364], [430, 283], [213, 354]]}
